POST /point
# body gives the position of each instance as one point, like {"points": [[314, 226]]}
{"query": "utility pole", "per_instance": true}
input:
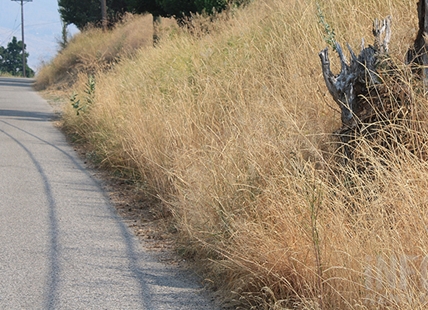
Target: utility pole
{"points": [[104, 14], [22, 34]]}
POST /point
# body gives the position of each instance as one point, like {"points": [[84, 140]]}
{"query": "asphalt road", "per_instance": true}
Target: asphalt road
{"points": [[62, 246]]}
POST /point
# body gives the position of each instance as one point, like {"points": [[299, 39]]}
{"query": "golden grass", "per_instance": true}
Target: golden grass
{"points": [[95, 50], [232, 131]]}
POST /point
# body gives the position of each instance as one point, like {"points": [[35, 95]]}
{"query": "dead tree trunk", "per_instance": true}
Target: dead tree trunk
{"points": [[359, 88], [370, 89], [157, 19], [354, 80], [417, 55]]}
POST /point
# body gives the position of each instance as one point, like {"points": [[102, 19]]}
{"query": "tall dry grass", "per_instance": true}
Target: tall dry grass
{"points": [[232, 131], [95, 50]]}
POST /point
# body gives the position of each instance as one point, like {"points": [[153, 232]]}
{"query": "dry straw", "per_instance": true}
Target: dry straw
{"points": [[231, 130]]}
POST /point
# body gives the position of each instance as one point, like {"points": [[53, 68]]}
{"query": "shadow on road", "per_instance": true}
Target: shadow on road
{"points": [[54, 265], [16, 82], [28, 116]]}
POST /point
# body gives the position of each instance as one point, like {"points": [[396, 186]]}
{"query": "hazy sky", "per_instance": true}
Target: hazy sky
{"points": [[42, 28]]}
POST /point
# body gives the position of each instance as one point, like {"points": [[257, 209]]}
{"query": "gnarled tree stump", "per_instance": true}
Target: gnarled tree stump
{"points": [[355, 78], [360, 90]]}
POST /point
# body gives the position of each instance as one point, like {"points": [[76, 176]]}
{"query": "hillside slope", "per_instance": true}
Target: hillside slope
{"points": [[229, 126]]}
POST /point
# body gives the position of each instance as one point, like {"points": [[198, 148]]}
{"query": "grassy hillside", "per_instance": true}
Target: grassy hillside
{"points": [[231, 131], [94, 50]]}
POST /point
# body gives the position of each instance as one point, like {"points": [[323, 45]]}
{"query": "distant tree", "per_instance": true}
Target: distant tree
{"points": [[209, 6], [185, 8], [65, 35], [82, 13], [146, 6], [79, 13], [181, 10], [178, 8], [11, 59], [161, 8]]}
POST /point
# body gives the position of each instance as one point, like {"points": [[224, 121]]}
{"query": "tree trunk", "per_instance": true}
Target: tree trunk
{"points": [[355, 79], [104, 14], [368, 90], [156, 24], [417, 55]]}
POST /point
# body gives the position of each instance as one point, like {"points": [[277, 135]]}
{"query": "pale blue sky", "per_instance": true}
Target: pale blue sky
{"points": [[42, 28]]}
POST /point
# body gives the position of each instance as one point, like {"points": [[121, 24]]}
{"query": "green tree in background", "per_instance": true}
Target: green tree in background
{"points": [[178, 8], [182, 8], [11, 59], [145, 6], [65, 36], [80, 13], [209, 5]]}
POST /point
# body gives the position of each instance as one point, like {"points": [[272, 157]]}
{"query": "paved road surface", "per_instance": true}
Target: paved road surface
{"points": [[61, 244]]}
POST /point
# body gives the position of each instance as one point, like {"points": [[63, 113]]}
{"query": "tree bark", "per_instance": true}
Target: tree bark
{"points": [[351, 85], [157, 19], [372, 92], [104, 14], [369, 90], [417, 55]]}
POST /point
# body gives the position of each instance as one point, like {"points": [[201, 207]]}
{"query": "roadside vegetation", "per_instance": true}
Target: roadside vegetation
{"points": [[228, 126], [94, 50], [11, 60]]}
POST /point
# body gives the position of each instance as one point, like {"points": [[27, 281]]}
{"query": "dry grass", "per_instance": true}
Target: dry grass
{"points": [[232, 131], [96, 51]]}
